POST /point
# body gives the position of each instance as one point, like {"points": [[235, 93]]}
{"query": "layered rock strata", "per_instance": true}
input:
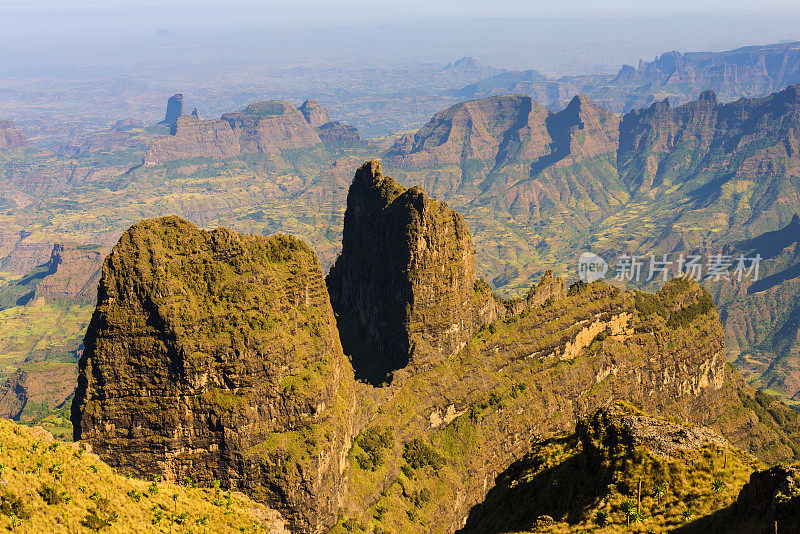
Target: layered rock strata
{"points": [[215, 355]]}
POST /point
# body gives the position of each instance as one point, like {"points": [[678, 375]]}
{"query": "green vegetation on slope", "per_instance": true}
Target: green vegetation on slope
{"points": [[593, 481], [55, 487]]}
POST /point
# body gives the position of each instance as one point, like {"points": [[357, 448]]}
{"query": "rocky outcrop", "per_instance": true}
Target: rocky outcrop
{"points": [[271, 126], [261, 128], [10, 137], [577, 482], [315, 114], [611, 428], [215, 355], [761, 495], [404, 286], [549, 290], [73, 274], [13, 396], [338, 133], [512, 131], [175, 109], [192, 138], [330, 132]]}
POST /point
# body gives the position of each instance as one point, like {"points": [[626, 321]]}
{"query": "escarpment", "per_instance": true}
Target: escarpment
{"points": [[261, 128], [404, 287], [266, 128], [191, 137], [215, 355]]}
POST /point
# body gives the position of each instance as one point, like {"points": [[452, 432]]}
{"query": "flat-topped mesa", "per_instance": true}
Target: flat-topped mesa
{"points": [[315, 113], [215, 355], [261, 128], [190, 138], [339, 133], [271, 126], [10, 137], [74, 272], [404, 287], [175, 109]]}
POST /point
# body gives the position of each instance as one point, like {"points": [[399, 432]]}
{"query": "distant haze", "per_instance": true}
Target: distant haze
{"points": [[80, 58]]}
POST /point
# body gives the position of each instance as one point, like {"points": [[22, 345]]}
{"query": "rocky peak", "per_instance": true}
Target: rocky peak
{"points": [[403, 287], [10, 137], [315, 114], [466, 63], [709, 97], [175, 109], [584, 129], [615, 428], [243, 367]]}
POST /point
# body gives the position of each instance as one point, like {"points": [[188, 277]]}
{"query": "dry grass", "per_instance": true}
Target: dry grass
{"points": [[35, 469]]}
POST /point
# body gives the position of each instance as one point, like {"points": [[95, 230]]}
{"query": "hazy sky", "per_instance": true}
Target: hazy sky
{"points": [[343, 11], [515, 33]]}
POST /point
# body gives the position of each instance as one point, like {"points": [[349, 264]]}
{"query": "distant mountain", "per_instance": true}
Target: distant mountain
{"points": [[10, 137], [538, 187], [752, 71], [268, 127]]}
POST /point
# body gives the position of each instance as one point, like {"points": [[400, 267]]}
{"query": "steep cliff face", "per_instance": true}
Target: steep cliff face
{"points": [[261, 128], [10, 137], [175, 109], [271, 126], [191, 138], [750, 71], [650, 134], [26, 254], [404, 286], [338, 133], [73, 274], [215, 355], [13, 396], [315, 113], [480, 130]]}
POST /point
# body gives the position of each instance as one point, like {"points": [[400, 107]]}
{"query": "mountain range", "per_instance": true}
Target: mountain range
{"points": [[752, 71], [533, 186], [226, 357]]}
